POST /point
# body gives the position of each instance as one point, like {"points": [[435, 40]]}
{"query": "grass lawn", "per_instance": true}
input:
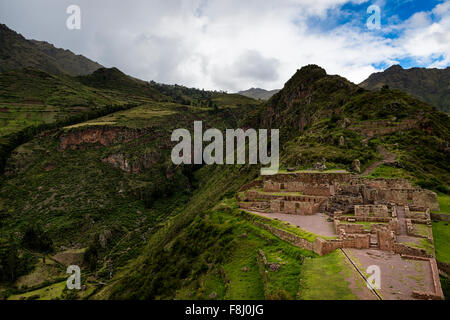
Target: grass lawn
{"points": [[384, 171], [444, 203], [245, 285], [441, 235], [324, 278], [46, 293]]}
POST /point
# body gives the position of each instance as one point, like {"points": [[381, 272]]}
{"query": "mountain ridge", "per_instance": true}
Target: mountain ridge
{"points": [[17, 52], [429, 85], [258, 93]]}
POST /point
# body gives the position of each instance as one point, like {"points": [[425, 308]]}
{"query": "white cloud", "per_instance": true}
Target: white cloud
{"points": [[233, 44], [426, 36]]}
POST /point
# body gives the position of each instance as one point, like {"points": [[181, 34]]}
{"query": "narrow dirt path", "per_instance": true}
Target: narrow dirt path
{"points": [[401, 220], [387, 157]]}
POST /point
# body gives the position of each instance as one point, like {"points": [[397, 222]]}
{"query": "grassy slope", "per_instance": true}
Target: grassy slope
{"points": [[429, 85], [16, 53], [322, 108], [185, 236], [441, 235], [106, 198], [32, 101]]}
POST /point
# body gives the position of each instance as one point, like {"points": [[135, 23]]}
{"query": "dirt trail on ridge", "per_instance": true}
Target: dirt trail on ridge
{"points": [[387, 158]]}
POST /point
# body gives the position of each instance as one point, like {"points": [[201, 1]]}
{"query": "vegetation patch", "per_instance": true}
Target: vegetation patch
{"points": [[441, 235], [332, 268]]}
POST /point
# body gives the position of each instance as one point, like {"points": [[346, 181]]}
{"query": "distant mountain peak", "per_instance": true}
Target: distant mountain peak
{"points": [[16, 53], [395, 67], [312, 68], [258, 93], [428, 84]]}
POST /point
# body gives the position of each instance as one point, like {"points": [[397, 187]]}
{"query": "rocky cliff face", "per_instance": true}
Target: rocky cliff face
{"points": [[146, 161], [99, 135]]}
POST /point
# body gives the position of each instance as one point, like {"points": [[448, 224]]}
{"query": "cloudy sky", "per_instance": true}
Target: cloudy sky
{"points": [[237, 44]]}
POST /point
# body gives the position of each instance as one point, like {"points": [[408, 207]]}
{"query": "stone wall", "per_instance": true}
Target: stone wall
{"points": [[371, 211], [341, 228], [262, 206], [398, 196], [311, 178], [271, 186], [440, 216], [409, 228], [405, 250], [253, 195], [322, 246], [295, 186], [386, 240], [425, 198], [382, 183], [364, 219], [276, 206], [286, 236], [358, 241], [394, 226], [415, 197], [353, 190], [300, 208], [344, 203], [319, 246]]}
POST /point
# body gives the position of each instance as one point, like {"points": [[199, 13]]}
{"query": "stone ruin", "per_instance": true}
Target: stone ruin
{"points": [[382, 214], [367, 213], [307, 193]]}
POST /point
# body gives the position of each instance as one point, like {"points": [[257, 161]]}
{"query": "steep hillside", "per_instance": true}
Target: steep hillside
{"points": [[328, 119], [207, 248], [429, 85], [16, 53], [114, 79], [109, 179], [258, 93], [106, 189], [33, 100]]}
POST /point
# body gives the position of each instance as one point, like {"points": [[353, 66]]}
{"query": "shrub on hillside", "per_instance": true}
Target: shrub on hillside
{"points": [[36, 239]]}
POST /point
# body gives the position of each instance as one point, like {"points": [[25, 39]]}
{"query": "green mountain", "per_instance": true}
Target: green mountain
{"points": [[203, 249], [258, 93], [88, 179], [429, 85], [16, 52]]}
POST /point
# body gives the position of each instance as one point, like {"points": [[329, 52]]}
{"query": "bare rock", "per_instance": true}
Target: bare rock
{"points": [[213, 295], [274, 267], [320, 166], [356, 166]]}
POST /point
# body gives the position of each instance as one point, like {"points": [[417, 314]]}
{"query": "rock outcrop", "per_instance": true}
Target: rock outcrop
{"points": [[104, 136]]}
